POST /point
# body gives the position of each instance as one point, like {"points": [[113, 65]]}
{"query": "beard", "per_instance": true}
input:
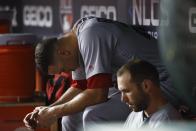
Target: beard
{"points": [[139, 107], [141, 102]]}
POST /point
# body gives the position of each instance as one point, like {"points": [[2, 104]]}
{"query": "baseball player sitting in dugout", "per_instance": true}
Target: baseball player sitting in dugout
{"points": [[93, 50]]}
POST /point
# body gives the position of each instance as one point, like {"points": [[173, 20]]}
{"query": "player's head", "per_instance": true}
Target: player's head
{"points": [[135, 80], [44, 54], [54, 55]]}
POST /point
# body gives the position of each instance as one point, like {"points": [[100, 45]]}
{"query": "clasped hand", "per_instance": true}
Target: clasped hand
{"points": [[40, 117]]}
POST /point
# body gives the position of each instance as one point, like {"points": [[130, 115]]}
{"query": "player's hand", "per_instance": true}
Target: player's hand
{"points": [[30, 120], [46, 117], [39, 108]]}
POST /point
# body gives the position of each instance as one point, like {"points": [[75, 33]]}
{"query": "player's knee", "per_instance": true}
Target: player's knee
{"points": [[64, 121], [88, 115]]}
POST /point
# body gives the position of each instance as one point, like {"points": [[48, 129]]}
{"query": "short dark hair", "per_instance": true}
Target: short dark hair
{"points": [[44, 54], [140, 70]]}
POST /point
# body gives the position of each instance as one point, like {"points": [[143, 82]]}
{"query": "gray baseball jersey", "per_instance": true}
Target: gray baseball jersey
{"points": [[166, 114], [106, 45]]}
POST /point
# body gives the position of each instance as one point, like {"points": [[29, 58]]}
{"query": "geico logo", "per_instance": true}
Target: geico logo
{"points": [[37, 16], [139, 11], [99, 11], [192, 20]]}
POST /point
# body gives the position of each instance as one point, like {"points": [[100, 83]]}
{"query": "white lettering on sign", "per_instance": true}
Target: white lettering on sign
{"points": [[192, 20], [108, 12], [14, 19], [140, 10], [40, 16]]}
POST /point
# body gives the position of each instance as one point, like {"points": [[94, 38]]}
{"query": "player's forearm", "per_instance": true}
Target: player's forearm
{"points": [[67, 96], [81, 101]]}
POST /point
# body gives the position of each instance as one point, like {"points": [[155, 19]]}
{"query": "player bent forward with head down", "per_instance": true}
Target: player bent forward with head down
{"points": [[93, 50]]}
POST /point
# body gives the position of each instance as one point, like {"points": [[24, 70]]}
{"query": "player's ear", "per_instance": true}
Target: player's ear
{"points": [[146, 85]]}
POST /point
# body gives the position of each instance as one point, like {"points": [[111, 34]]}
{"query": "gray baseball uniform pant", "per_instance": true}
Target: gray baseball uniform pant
{"points": [[114, 110]]}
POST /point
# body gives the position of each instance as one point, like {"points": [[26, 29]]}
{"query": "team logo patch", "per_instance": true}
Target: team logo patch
{"points": [[91, 68]]}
